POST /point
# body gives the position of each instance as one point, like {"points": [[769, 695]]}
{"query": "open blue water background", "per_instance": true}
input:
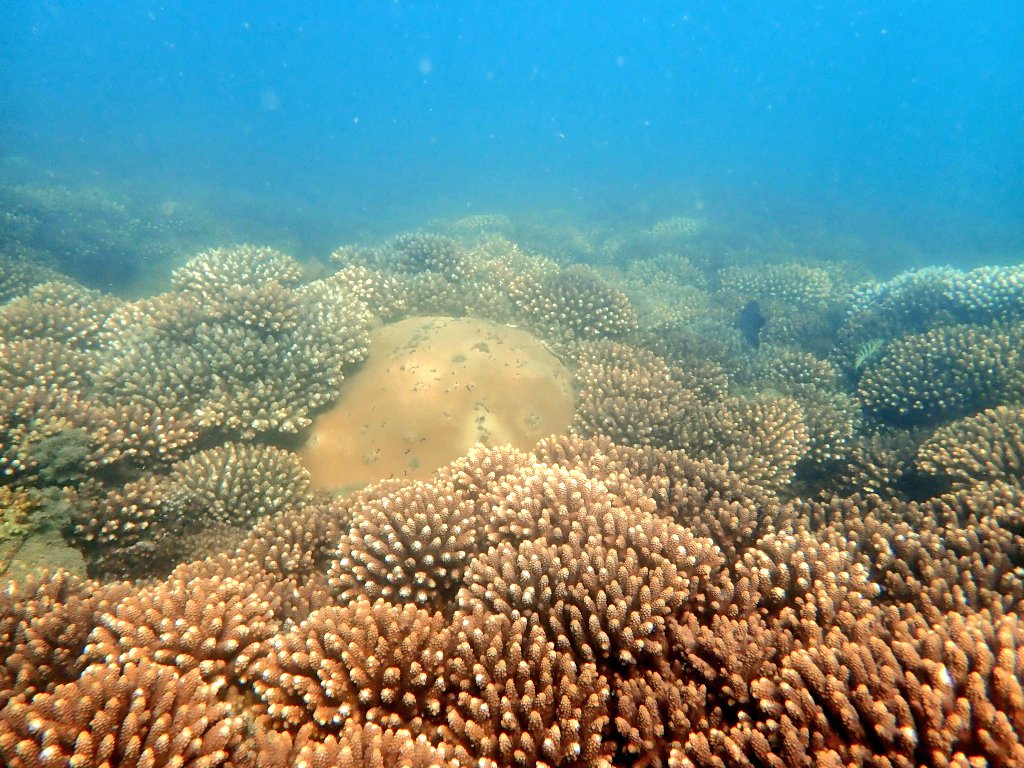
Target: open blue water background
{"points": [[901, 119]]}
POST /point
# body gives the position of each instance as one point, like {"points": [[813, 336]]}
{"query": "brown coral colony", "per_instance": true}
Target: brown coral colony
{"points": [[805, 554]]}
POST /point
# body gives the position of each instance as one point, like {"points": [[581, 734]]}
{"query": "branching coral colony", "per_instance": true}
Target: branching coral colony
{"points": [[806, 554]]}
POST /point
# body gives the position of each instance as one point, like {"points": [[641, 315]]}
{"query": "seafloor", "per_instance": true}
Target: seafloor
{"points": [[729, 503]]}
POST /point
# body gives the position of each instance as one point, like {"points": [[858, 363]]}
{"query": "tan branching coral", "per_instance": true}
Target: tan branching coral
{"points": [[189, 621], [958, 552], [987, 446], [42, 427], [424, 252], [946, 695], [793, 284], [832, 416], [364, 662], [629, 394], [580, 603], [519, 701], [141, 523], [797, 300], [73, 315], [210, 273], [409, 546], [921, 300], [44, 625], [594, 601], [240, 348], [131, 714], [43, 362], [572, 303], [762, 439], [381, 292], [19, 273], [877, 462], [944, 373], [367, 744]]}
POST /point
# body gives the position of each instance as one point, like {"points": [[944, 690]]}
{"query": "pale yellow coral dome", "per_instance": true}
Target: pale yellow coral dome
{"points": [[431, 388]]}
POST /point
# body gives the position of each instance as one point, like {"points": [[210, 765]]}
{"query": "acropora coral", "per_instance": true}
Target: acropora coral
{"points": [[726, 558]]}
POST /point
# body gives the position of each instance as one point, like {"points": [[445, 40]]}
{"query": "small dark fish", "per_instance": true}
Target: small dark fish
{"points": [[750, 321]]}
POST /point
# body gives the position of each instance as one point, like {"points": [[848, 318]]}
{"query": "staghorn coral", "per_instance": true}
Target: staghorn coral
{"points": [[93, 234], [51, 431], [958, 552], [791, 284], [877, 462], [411, 545], [832, 416], [921, 300], [240, 350], [705, 497], [629, 394], [594, 601], [212, 272], [878, 689], [190, 621], [43, 362], [382, 293], [678, 227], [571, 303], [45, 621], [763, 439], [988, 446], [800, 302], [358, 744], [424, 252], [19, 273]]}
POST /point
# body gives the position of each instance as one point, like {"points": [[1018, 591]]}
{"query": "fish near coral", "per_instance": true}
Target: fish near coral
{"points": [[750, 321]]}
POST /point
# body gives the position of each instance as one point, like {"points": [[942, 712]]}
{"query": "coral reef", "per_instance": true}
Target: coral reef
{"points": [[587, 604], [714, 556], [91, 234]]}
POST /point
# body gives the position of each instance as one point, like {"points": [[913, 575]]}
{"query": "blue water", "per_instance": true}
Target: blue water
{"points": [[901, 119]]}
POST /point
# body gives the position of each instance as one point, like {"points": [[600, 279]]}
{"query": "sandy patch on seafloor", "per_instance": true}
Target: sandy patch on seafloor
{"points": [[431, 388]]}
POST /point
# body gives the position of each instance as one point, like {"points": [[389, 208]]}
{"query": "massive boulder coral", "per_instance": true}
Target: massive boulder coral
{"points": [[431, 389]]}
